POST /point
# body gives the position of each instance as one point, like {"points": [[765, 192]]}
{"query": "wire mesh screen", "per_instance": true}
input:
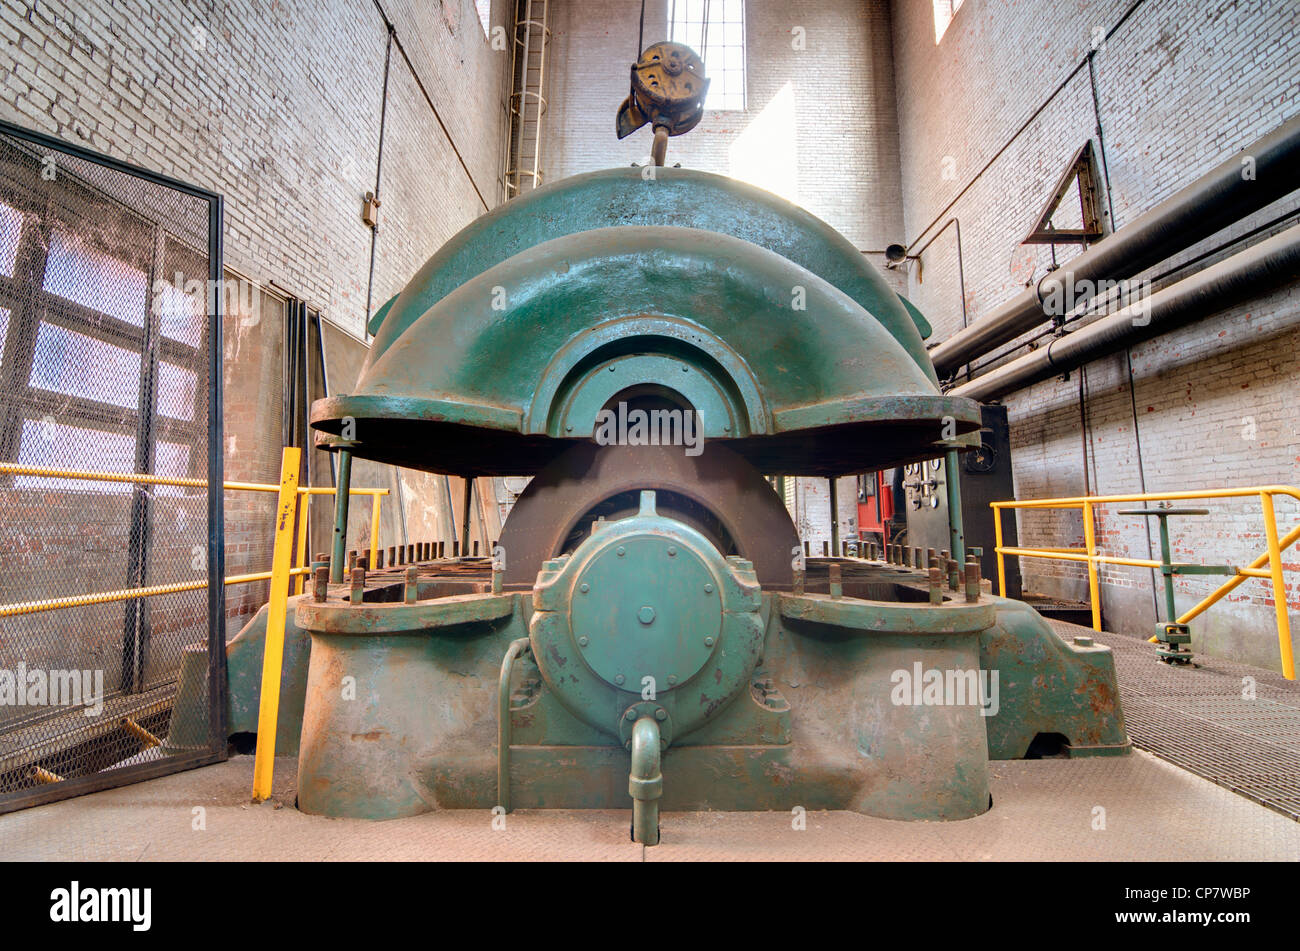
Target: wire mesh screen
{"points": [[106, 304]]}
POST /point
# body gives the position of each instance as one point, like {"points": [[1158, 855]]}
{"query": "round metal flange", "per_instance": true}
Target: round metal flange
{"points": [[653, 612], [646, 708]]}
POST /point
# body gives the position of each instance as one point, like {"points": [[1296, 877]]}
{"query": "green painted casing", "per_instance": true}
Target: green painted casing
{"points": [[678, 198], [244, 676], [646, 608], [819, 724], [498, 375], [1048, 685]]}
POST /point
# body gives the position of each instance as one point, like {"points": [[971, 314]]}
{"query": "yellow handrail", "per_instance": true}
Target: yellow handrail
{"points": [[1088, 554], [106, 597]]}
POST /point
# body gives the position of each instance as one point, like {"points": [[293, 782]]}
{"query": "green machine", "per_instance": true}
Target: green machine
{"points": [[650, 345]]}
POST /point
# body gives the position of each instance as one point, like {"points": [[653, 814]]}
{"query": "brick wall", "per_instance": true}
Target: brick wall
{"points": [[277, 106], [988, 119], [819, 124]]}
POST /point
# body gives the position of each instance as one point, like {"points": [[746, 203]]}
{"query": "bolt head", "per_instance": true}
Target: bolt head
{"points": [[619, 679], [708, 642], [661, 714], [646, 614], [583, 641], [621, 551], [708, 589], [584, 587], [630, 715], [671, 551], [672, 678]]}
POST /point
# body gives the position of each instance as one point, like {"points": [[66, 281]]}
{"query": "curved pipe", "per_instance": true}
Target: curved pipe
{"points": [[645, 783], [1223, 195], [513, 652]]}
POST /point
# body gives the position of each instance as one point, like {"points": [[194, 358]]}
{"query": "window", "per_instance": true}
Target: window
{"points": [[101, 366], [49, 444], [95, 279], [944, 11], [75, 364], [716, 30]]}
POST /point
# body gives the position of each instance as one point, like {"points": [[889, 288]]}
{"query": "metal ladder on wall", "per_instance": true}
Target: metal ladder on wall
{"points": [[527, 103]]}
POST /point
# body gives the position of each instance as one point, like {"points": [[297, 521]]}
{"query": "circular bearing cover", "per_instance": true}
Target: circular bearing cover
{"points": [[646, 606]]}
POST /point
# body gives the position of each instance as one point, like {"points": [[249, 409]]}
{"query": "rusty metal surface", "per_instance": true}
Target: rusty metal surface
{"points": [[1206, 720], [668, 90], [716, 493]]}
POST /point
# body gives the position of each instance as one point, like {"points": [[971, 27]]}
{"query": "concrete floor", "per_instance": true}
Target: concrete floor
{"points": [[1043, 809]]}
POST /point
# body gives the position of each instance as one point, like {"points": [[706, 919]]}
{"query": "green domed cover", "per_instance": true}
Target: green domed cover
{"points": [[499, 374]]}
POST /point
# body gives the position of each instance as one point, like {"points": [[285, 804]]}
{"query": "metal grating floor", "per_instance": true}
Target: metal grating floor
{"points": [[1199, 718]]}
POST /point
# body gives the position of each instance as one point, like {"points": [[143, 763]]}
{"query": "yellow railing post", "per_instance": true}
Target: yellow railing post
{"points": [[303, 510], [1090, 540], [997, 547], [1279, 588], [273, 651], [374, 533]]}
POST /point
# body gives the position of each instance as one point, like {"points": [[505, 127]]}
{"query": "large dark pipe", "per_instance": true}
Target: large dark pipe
{"points": [[1226, 194], [1249, 273]]}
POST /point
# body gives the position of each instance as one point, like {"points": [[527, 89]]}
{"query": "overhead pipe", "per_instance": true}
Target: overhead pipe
{"points": [[1260, 268], [1227, 193]]}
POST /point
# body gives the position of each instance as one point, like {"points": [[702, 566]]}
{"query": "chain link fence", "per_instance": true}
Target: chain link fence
{"points": [[108, 294]]}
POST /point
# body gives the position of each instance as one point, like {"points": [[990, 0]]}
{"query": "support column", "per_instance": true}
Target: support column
{"points": [[338, 557], [956, 533]]}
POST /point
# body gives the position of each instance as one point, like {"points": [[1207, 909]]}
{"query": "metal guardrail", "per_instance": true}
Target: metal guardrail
{"points": [[126, 594], [1272, 557]]}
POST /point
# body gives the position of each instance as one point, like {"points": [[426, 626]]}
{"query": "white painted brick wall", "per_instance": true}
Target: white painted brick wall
{"points": [[1180, 86]]}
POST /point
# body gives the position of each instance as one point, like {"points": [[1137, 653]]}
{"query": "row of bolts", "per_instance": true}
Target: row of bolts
{"points": [[398, 555], [905, 557], [899, 555]]}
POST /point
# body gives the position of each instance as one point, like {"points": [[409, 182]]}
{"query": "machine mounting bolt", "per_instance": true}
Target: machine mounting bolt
{"points": [[708, 642], [646, 614], [630, 714], [619, 679], [584, 587], [661, 714], [583, 641], [708, 589], [621, 551], [672, 678], [671, 551]]}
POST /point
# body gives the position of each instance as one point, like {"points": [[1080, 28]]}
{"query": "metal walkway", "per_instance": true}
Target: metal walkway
{"points": [[1199, 718]]}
